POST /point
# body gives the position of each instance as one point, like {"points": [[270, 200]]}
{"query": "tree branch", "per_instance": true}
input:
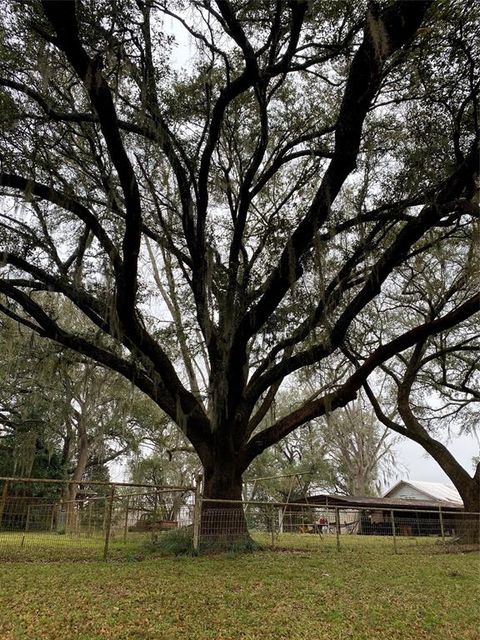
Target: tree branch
{"points": [[348, 391]]}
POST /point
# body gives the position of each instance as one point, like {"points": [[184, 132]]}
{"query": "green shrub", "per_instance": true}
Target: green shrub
{"points": [[176, 542], [179, 542]]}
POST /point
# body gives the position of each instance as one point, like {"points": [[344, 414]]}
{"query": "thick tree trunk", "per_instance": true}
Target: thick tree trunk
{"points": [[467, 524], [223, 518]]}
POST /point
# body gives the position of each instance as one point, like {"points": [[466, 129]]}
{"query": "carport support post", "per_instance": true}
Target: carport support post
{"points": [[393, 531], [197, 513], [337, 526], [442, 528], [108, 522]]}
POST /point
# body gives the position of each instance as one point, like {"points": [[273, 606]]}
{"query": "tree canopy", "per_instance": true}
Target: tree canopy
{"points": [[269, 207], [62, 415]]}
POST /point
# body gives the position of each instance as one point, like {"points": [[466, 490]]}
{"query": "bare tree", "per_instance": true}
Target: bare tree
{"points": [[361, 452]]}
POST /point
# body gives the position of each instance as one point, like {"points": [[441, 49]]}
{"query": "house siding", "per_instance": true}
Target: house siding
{"points": [[409, 493]]}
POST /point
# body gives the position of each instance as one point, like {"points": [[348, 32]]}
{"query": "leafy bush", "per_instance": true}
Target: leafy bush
{"points": [[179, 542]]}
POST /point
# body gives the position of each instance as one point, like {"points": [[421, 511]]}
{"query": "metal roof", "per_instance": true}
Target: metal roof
{"points": [[432, 490], [368, 502]]}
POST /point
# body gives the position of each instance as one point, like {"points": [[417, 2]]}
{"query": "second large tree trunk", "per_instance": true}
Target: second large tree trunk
{"points": [[468, 523]]}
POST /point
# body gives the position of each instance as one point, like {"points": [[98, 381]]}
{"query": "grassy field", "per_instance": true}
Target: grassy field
{"points": [[291, 593]]}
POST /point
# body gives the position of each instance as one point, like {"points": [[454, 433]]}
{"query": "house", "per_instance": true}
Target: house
{"points": [[415, 490]]}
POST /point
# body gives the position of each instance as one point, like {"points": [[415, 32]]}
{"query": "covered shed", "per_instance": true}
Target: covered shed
{"points": [[419, 513]]}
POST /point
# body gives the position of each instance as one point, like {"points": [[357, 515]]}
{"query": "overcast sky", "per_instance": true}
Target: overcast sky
{"points": [[420, 466]]}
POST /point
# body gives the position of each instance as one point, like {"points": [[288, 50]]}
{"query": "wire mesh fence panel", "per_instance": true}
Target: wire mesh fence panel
{"points": [[103, 520], [53, 520], [310, 527], [146, 515], [223, 525]]}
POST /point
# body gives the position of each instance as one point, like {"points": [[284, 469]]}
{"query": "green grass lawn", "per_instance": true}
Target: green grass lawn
{"points": [[293, 593]]}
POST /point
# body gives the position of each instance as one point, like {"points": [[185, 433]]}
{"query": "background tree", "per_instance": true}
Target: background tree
{"points": [[346, 452], [277, 190], [180, 468], [29, 443], [361, 455], [63, 415], [294, 467]]}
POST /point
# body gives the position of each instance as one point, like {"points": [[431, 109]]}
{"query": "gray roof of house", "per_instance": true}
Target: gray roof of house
{"points": [[432, 490]]}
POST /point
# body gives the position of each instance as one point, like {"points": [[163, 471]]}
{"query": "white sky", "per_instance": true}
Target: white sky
{"points": [[421, 466]]}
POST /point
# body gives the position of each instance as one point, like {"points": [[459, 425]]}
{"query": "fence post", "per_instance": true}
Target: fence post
{"points": [[280, 519], [155, 527], [337, 526], [442, 528], [108, 522], [125, 526], [90, 506], [272, 525], [52, 517], [27, 522], [197, 513], [104, 522], [393, 531], [3, 500]]}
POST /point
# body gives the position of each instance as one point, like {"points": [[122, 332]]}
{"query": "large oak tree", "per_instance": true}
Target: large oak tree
{"points": [[224, 225]]}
